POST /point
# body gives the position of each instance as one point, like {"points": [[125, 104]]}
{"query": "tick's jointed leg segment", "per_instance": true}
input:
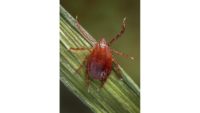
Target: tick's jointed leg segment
{"points": [[87, 79], [117, 69], [83, 33], [79, 68], [79, 27], [122, 54], [86, 73], [119, 34], [102, 83]]}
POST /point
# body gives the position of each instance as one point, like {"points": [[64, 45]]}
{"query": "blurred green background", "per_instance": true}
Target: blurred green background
{"points": [[103, 18]]}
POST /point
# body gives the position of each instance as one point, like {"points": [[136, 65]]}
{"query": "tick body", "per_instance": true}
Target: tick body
{"points": [[99, 62]]}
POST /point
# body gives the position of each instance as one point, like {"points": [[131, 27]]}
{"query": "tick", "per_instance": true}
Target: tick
{"points": [[100, 60]]}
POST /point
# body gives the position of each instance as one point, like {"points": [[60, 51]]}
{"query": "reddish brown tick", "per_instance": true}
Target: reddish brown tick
{"points": [[99, 61]]}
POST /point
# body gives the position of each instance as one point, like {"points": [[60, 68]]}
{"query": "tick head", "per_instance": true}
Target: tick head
{"points": [[103, 43]]}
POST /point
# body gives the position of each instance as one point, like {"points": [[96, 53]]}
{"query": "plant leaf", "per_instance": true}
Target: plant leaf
{"points": [[116, 96]]}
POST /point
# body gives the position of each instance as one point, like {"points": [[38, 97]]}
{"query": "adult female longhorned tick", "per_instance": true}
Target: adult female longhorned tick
{"points": [[99, 61]]}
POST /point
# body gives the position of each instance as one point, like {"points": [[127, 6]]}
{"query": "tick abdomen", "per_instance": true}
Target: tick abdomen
{"points": [[98, 71]]}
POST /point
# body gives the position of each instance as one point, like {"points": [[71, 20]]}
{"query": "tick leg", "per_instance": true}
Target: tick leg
{"points": [[117, 69], [86, 74], [118, 34], [87, 80], [79, 49], [83, 33], [122, 54], [79, 68], [102, 83]]}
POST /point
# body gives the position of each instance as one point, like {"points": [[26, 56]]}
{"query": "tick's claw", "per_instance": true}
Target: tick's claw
{"points": [[124, 20], [132, 58]]}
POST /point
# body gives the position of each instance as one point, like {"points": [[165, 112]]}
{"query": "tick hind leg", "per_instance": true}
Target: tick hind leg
{"points": [[87, 80], [102, 83], [81, 65], [119, 74]]}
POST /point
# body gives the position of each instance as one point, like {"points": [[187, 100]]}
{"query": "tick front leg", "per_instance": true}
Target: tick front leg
{"points": [[80, 29], [120, 33], [83, 32], [117, 69]]}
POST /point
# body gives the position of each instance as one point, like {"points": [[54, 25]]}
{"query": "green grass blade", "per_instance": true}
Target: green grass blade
{"points": [[117, 96]]}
